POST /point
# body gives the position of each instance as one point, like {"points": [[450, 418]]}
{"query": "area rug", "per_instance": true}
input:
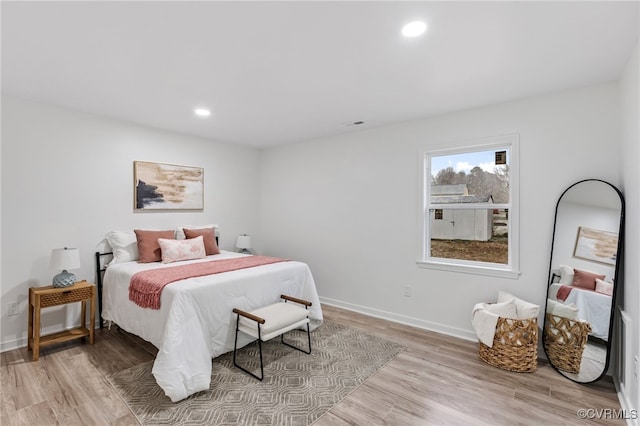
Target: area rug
{"points": [[297, 388]]}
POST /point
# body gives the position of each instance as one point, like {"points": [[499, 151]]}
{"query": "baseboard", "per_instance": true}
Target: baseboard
{"points": [[22, 342], [403, 319], [13, 344], [630, 413]]}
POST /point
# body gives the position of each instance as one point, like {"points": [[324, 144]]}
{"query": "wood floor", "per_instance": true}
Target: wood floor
{"points": [[438, 380]]}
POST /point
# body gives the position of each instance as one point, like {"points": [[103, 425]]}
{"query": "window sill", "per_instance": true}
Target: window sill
{"points": [[469, 269]]}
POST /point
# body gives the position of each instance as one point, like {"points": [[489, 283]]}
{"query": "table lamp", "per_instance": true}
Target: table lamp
{"points": [[63, 259], [243, 242]]}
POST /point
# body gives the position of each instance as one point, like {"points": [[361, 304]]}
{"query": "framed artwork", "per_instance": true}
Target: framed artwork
{"points": [[597, 246], [160, 186]]}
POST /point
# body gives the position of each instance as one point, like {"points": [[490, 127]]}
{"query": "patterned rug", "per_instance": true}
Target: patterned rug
{"points": [[297, 388]]}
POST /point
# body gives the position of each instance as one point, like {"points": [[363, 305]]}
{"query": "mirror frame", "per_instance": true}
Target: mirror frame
{"points": [[619, 278]]}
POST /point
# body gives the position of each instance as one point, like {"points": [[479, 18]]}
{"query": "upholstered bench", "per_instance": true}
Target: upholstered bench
{"points": [[271, 321]]}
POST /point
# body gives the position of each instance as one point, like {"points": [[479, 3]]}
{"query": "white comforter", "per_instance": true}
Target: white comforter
{"points": [[595, 308], [195, 322]]}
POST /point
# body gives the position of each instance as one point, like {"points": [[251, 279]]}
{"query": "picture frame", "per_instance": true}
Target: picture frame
{"points": [[596, 245], [161, 186]]}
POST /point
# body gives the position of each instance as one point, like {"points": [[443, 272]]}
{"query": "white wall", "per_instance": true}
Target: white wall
{"points": [[630, 113], [67, 179], [570, 218], [350, 205]]}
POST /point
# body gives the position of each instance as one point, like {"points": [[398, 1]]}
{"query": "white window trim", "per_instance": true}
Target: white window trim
{"points": [[511, 270]]}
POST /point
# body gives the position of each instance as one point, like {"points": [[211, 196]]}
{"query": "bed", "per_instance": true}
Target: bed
{"points": [[195, 322], [593, 307]]}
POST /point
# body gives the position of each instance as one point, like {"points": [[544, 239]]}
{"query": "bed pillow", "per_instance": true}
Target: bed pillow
{"points": [[504, 309], [148, 247], [524, 309], [124, 246], [566, 275], [180, 229], [604, 287], [558, 309], [208, 236], [584, 279], [177, 250]]}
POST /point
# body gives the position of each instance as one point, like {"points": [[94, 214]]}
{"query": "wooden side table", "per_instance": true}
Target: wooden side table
{"points": [[44, 297]]}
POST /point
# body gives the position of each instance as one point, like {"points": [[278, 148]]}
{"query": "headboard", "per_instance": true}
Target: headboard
{"points": [[100, 268]]}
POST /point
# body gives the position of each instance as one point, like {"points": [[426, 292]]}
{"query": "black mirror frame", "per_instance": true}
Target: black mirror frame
{"points": [[619, 277]]}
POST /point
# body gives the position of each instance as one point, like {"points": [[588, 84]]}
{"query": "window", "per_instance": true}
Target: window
{"points": [[469, 209]]}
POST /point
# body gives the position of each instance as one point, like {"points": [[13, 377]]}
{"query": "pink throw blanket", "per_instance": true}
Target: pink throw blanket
{"points": [[146, 287], [563, 292]]}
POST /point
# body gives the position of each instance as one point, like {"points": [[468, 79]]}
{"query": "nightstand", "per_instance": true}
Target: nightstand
{"points": [[44, 297]]}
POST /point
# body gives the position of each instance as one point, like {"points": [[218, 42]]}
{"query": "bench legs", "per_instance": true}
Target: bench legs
{"points": [[235, 346], [295, 347]]}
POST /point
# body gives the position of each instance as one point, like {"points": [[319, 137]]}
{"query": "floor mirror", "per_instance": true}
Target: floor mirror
{"points": [[584, 276]]}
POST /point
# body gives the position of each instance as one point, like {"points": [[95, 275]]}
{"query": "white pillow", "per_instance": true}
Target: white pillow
{"points": [[558, 309], [524, 310], [180, 233], [505, 309], [566, 275], [124, 246], [177, 250]]}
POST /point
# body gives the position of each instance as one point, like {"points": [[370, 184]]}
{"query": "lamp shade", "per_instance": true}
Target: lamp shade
{"points": [[243, 241], [63, 259]]}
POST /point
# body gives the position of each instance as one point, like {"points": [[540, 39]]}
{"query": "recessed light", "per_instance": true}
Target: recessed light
{"points": [[414, 29], [202, 112]]}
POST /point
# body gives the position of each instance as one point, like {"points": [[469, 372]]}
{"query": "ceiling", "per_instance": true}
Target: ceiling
{"points": [[283, 72]]}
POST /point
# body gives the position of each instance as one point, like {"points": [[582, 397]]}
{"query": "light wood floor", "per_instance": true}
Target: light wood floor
{"points": [[438, 380]]}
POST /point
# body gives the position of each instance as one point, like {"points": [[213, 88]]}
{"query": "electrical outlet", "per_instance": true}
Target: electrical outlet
{"points": [[13, 308], [407, 291]]}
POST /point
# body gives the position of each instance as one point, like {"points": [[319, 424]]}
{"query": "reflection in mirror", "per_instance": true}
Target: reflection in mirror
{"points": [[585, 261]]}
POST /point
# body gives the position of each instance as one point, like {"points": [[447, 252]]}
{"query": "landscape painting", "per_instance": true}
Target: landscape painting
{"points": [[160, 186], [596, 245]]}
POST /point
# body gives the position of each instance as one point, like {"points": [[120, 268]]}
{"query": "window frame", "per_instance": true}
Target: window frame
{"points": [[512, 268]]}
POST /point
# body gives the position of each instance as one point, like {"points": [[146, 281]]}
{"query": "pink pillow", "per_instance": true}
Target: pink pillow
{"points": [[604, 287], [176, 250], [208, 236], [584, 279], [148, 247]]}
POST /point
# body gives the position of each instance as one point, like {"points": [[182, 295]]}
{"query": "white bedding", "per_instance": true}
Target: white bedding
{"points": [[195, 322], [595, 308]]}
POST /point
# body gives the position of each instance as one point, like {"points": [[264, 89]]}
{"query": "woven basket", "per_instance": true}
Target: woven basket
{"points": [[515, 345], [564, 341]]}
